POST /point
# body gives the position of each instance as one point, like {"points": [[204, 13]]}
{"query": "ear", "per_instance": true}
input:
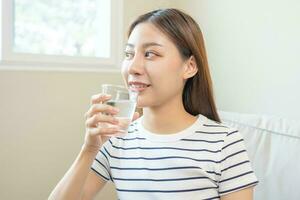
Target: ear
{"points": [[190, 68]]}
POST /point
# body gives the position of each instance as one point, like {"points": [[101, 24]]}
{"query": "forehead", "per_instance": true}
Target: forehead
{"points": [[146, 34]]}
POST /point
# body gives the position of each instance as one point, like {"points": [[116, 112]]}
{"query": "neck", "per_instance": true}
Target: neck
{"points": [[168, 118]]}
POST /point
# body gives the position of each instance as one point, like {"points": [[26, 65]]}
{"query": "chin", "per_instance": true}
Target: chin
{"points": [[145, 104], [141, 103]]}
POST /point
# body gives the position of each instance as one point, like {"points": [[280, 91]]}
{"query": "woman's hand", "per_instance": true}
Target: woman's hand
{"points": [[101, 123]]}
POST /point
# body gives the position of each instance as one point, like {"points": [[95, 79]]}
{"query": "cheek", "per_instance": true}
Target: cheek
{"points": [[168, 77], [167, 84]]}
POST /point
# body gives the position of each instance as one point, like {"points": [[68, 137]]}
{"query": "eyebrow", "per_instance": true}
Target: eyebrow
{"points": [[145, 45]]}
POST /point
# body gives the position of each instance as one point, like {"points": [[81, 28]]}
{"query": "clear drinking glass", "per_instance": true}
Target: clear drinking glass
{"points": [[125, 100]]}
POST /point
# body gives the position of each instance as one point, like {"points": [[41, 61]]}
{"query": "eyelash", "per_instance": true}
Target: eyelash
{"points": [[151, 53], [129, 55]]}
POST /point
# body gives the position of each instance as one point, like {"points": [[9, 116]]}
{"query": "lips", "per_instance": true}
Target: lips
{"points": [[138, 86]]}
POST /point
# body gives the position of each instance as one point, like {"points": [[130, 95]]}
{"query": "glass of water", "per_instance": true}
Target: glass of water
{"points": [[125, 100]]}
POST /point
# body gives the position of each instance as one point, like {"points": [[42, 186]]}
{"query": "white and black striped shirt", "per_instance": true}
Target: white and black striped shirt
{"points": [[204, 161]]}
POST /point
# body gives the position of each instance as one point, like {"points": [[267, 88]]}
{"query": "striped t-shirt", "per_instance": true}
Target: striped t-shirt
{"points": [[204, 161]]}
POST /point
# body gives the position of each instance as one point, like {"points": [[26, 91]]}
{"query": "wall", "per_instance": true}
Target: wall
{"points": [[42, 127], [253, 50]]}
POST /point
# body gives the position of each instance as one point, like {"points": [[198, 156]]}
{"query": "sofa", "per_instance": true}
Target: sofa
{"points": [[273, 145]]}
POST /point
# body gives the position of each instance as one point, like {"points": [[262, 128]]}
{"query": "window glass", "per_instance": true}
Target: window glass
{"points": [[68, 27]]}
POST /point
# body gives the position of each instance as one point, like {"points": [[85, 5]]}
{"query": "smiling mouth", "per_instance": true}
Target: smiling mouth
{"points": [[139, 87]]}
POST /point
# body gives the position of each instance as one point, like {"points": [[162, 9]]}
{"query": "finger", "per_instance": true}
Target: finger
{"points": [[104, 108], [100, 98], [100, 118], [135, 116], [106, 131]]}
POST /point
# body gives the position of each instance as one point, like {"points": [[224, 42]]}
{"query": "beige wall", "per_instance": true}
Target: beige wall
{"points": [[253, 50], [42, 127]]}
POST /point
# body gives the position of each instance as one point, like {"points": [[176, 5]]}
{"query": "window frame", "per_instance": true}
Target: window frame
{"points": [[13, 60]]}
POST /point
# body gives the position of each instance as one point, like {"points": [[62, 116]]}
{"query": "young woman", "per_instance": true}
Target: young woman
{"points": [[178, 149]]}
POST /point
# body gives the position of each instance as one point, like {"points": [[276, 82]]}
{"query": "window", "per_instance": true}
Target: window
{"points": [[69, 33]]}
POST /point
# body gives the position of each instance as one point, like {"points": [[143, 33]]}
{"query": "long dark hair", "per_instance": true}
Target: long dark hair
{"points": [[185, 33]]}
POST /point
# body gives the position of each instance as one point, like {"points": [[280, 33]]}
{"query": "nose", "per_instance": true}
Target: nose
{"points": [[136, 65]]}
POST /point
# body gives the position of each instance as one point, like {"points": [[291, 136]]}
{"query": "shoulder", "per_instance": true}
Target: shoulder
{"points": [[216, 133], [217, 128]]}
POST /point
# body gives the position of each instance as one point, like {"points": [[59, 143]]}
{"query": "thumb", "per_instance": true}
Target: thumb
{"points": [[135, 116]]}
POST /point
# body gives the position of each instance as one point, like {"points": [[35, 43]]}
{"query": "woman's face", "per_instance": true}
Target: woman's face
{"points": [[153, 66]]}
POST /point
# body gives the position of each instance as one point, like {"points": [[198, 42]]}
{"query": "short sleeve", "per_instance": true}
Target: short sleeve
{"points": [[236, 170], [101, 165]]}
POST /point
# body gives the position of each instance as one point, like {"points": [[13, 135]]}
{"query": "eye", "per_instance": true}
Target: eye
{"points": [[128, 55], [149, 54]]}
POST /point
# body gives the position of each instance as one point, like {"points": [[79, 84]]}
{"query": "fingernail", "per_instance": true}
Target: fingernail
{"points": [[121, 131], [116, 109], [115, 121]]}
